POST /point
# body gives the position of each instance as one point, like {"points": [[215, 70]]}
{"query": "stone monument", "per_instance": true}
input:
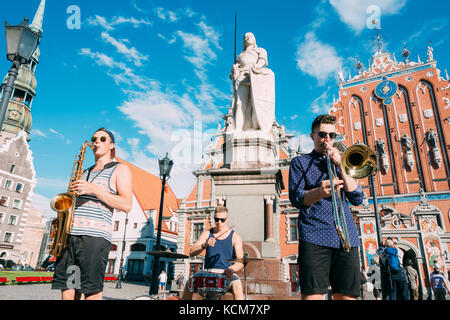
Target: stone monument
{"points": [[249, 143], [249, 183]]}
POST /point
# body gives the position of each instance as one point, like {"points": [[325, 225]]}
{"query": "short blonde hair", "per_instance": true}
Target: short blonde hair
{"points": [[221, 208]]}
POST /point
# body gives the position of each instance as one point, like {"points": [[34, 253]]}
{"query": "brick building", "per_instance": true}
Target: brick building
{"points": [[400, 109]]}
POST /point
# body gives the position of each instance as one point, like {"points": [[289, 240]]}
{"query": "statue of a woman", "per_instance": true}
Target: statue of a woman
{"points": [[254, 88]]}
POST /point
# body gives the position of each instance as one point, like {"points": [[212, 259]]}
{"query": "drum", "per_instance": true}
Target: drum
{"points": [[209, 285]]}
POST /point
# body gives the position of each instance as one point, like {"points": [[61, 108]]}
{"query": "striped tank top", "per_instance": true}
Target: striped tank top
{"points": [[93, 217]]}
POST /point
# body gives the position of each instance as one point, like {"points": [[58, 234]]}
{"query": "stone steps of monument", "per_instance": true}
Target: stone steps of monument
{"points": [[268, 287], [229, 296], [271, 297]]}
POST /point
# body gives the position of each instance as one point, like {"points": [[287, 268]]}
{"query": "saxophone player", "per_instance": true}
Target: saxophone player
{"points": [[105, 186]]}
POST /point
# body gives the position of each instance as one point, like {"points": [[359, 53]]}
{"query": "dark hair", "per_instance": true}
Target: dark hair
{"points": [[408, 262], [324, 118]]}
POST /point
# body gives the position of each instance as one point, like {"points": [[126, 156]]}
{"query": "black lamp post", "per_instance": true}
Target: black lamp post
{"points": [[119, 281], [21, 42], [165, 165], [375, 207]]}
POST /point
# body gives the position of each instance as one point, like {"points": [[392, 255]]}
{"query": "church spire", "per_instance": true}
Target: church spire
{"points": [[36, 25]]}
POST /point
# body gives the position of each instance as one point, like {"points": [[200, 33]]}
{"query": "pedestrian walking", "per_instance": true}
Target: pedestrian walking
{"points": [[364, 279], [374, 276], [180, 280], [413, 278], [162, 281], [439, 284]]}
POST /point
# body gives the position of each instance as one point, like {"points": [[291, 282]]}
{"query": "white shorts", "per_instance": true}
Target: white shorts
{"points": [[231, 279]]}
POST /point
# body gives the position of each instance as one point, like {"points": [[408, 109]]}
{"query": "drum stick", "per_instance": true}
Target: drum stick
{"points": [[215, 238]]}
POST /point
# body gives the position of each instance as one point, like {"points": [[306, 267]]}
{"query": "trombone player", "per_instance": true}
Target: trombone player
{"points": [[107, 185], [326, 255]]}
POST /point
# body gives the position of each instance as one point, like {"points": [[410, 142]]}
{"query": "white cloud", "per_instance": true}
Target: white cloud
{"points": [[130, 53], [126, 74], [115, 21], [38, 132], [321, 105], [317, 59], [166, 15], [353, 13], [302, 142], [43, 204], [427, 31], [53, 183]]}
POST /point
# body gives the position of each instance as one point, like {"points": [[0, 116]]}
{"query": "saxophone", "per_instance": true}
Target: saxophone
{"points": [[64, 205]]}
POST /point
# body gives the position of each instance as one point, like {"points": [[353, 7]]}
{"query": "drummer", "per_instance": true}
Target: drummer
{"points": [[221, 244]]}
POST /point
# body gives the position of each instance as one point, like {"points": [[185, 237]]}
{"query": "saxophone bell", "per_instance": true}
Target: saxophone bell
{"points": [[64, 205]]}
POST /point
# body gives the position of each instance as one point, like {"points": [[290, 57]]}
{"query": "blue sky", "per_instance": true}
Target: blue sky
{"points": [[155, 72]]}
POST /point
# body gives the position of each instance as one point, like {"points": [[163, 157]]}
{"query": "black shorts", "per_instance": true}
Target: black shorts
{"points": [[320, 266], [82, 265]]}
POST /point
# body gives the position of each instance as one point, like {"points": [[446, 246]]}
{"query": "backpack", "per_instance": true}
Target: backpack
{"points": [[389, 262], [393, 260]]}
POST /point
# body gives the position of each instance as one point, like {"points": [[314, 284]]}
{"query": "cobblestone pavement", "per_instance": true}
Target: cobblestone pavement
{"points": [[44, 292]]}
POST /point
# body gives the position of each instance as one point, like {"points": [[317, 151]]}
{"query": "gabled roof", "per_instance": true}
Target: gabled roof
{"points": [[147, 190]]}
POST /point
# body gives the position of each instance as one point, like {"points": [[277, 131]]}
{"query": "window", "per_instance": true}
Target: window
{"points": [[134, 225], [198, 229], [113, 247], [8, 237], [110, 266], [8, 184], [2, 217], [4, 200], [293, 229], [116, 226], [135, 267], [137, 247], [12, 220], [11, 170], [17, 204], [19, 187]]}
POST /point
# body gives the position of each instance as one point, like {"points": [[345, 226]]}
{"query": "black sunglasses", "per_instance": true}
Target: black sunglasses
{"points": [[102, 139], [220, 219], [324, 134]]}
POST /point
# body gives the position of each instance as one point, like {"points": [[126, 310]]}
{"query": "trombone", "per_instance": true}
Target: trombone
{"points": [[358, 161]]}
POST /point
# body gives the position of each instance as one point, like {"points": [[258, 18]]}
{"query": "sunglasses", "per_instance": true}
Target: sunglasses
{"points": [[102, 139], [324, 134], [220, 219]]}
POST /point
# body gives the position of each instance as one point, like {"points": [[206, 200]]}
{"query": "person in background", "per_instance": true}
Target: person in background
{"points": [[374, 275], [439, 284], [413, 278]]}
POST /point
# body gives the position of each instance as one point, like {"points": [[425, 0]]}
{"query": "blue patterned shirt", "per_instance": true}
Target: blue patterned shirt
{"points": [[316, 222]]}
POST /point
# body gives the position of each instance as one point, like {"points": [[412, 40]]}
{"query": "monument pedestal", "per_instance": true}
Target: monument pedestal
{"points": [[249, 149], [249, 194]]}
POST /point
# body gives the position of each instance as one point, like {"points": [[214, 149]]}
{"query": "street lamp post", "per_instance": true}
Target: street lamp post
{"points": [[375, 206], [165, 165], [21, 42]]}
